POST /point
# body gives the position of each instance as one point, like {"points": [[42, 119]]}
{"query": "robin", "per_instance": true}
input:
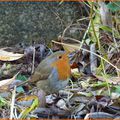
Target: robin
{"points": [[52, 73]]}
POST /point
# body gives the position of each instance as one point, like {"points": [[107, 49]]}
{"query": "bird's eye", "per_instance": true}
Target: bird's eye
{"points": [[60, 57]]}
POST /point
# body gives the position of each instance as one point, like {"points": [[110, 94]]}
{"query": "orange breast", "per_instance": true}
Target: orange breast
{"points": [[63, 67]]}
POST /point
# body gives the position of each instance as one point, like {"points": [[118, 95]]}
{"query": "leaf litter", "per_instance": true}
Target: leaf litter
{"points": [[89, 94]]}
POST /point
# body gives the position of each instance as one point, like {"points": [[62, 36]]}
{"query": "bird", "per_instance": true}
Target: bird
{"points": [[53, 73]]}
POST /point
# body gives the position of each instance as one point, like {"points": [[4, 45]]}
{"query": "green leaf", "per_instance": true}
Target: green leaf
{"points": [[106, 28], [20, 89], [8, 66], [34, 105], [22, 77], [114, 6], [2, 102], [99, 85], [116, 89]]}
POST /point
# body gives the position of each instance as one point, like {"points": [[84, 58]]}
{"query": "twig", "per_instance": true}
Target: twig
{"points": [[83, 39], [12, 103], [93, 58], [33, 62], [72, 39], [73, 46]]}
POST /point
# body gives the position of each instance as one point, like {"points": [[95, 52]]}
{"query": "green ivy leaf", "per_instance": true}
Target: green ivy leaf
{"points": [[22, 77], [114, 6]]}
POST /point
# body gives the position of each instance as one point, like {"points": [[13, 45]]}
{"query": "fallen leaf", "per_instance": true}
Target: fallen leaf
{"points": [[62, 104], [9, 56], [98, 115], [67, 45], [4, 83], [31, 101], [69, 49]]}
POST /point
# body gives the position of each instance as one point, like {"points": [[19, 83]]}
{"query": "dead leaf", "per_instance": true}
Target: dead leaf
{"points": [[32, 102], [69, 49], [4, 83], [98, 115], [62, 104], [66, 43], [9, 56], [50, 99]]}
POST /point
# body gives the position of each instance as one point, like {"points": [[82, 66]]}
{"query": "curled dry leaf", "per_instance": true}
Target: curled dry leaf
{"points": [[98, 115], [4, 83], [61, 104], [68, 47], [9, 56], [50, 99]]}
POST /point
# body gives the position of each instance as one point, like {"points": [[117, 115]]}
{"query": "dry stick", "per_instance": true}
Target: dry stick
{"points": [[83, 19], [63, 34], [33, 63], [89, 52], [68, 27], [12, 103], [23, 82], [66, 30], [83, 39], [93, 59], [73, 39]]}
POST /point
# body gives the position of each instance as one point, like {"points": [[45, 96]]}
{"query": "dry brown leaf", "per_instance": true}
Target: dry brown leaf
{"points": [[67, 43], [9, 56], [4, 83], [69, 48]]}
